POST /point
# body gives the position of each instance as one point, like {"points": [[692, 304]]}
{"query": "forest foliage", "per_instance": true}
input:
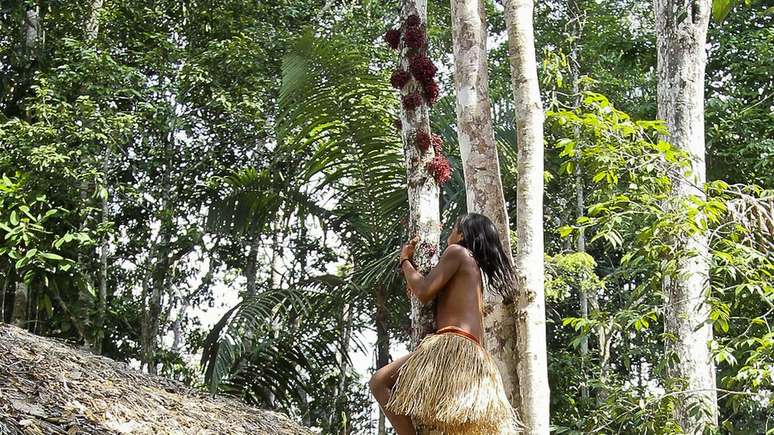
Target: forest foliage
{"points": [[154, 153]]}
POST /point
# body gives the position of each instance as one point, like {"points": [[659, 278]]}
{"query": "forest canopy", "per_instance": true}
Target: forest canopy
{"points": [[217, 193]]}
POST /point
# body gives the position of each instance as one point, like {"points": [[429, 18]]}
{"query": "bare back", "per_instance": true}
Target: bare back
{"points": [[459, 303]]}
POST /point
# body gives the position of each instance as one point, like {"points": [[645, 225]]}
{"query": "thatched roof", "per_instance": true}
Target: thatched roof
{"points": [[47, 387]]}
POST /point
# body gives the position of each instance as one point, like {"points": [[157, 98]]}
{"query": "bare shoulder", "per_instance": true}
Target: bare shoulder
{"points": [[459, 252]]}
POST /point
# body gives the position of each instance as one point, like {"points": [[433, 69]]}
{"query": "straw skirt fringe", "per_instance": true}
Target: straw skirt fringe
{"points": [[452, 384]]}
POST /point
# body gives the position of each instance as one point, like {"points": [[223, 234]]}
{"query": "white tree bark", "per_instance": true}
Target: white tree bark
{"points": [[481, 167], [681, 29], [481, 164], [92, 27], [32, 28], [423, 192], [277, 250], [530, 310]]}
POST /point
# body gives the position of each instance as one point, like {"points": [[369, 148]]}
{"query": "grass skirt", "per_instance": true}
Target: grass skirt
{"points": [[451, 383]]}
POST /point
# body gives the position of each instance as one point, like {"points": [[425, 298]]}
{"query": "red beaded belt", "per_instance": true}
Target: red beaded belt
{"points": [[458, 331]]}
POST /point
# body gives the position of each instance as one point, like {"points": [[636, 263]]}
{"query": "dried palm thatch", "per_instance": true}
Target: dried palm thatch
{"points": [[47, 387]]}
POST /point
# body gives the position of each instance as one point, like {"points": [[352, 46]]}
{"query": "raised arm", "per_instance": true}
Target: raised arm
{"points": [[426, 287]]}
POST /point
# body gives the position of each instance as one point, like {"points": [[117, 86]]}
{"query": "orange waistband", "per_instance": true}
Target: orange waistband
{"points": [[458, 331]]}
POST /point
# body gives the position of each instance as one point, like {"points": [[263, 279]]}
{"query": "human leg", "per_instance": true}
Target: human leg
{"points": [[381, 384]]}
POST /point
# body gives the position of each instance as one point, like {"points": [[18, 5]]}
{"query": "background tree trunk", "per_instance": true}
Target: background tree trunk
{"points": [[32, 28], [681, 29], [3, 293], [102, 294], [20, 312], [423, 192], [481, 167], [92, 27], [92, 31], [382, 343], [277, 249], [577, 21], [92, 305], [344, 368], [530, 310], [251, 267], [158, 265], [19, 315]]}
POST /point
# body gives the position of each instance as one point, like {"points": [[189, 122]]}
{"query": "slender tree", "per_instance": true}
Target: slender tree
{"points": [[481, 167], [92, 31], [681, 29], [530, 311], [32, 32], [577, 17], [158, 263], [382, 343], [423, 191]]}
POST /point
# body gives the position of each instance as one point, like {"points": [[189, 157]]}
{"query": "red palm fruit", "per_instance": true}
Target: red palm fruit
{"points": [[399, 78], [412, 101], [423, 140], [392, 37]]}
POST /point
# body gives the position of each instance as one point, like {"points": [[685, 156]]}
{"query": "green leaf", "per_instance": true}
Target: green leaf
{"points": [[721, 8], [51, 256], [22, 262]]}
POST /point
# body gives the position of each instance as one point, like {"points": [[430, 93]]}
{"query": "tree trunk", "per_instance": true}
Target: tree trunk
{"points": [[578, 17], [251, 268], [93, 311], [481, 167], [92, 31], [33, 36], [102, 295], [32, 28], [681, 29], [481, 163], [578, 20], [19, 315], [530, 311], [277, 250], [3, 294], [341, 396], [158, 265], [92, 27], [382, 343], [177, 327], [423, 191]]}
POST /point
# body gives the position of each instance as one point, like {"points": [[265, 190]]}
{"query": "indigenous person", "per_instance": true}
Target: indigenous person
{"points": [[450, 382]]}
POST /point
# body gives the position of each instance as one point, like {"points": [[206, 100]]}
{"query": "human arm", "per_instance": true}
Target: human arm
{"points": [[426, 287]]}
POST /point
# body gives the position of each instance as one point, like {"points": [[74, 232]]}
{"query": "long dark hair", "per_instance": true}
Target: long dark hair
{"points": [[480, 235]]}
